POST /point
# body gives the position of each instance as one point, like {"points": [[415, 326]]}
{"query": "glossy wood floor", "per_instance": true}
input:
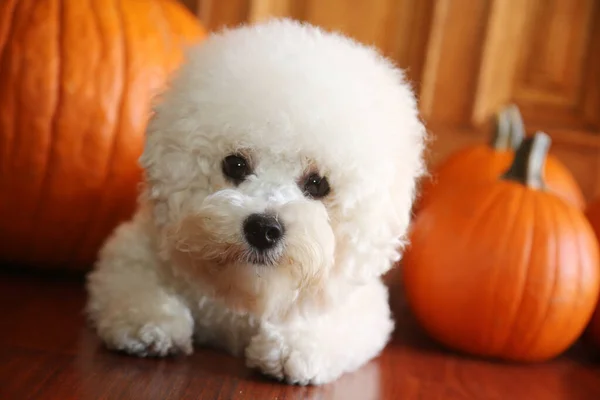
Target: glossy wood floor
{"points": [[47, 352]]}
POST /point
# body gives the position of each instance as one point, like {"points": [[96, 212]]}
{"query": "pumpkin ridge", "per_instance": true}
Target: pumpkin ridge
{"points": [[493, 197], [467, 233], [554, 238], [166, 33], [53, 131], [13, 140], [97, 28], [8, 28], [94, 223], [496, 195], [92, 213], [85, 137], [96, 22], [10, 32], [580, 256], [510, 227], [510, 337]]}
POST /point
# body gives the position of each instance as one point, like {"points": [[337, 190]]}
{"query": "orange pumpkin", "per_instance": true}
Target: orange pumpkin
{"points": [[593, 330], [485, 162], [504, 269], [77, 80]]}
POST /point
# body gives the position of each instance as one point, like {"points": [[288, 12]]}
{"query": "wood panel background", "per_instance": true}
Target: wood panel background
{"points": [[466, 59]]}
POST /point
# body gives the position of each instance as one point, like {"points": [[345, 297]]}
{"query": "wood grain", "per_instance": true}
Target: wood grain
{"points": [[452, 61], [554, 53], [553, 48], [216, 15], [591, 97], [47, 352], [498, 65]]}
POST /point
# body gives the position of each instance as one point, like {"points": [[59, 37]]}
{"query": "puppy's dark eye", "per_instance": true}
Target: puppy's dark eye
{"points": [[316, 186], [236, 168]]}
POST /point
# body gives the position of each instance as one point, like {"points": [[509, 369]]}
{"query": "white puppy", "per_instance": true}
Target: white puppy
{"points": [[280, 170]]}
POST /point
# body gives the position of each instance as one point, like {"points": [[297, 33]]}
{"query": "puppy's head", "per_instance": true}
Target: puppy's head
{"points": [[282, 162]]}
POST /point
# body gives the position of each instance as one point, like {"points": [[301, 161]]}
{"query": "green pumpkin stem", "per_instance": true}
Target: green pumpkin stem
{"points": [[510, 129], [528, 164]]}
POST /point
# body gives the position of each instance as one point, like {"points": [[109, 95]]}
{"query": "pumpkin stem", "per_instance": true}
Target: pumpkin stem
{"points": [[530, 158], [510, 129]]}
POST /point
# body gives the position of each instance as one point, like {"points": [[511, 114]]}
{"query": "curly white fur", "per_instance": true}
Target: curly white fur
{"points": [[293, 99]]}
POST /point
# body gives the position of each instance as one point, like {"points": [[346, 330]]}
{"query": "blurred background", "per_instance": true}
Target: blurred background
{"points": [[468, 58]]}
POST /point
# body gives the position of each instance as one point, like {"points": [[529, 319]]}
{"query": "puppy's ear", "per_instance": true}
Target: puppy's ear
{"points": [[152, 159], [153, 149], [168, 162], [374, 235]]}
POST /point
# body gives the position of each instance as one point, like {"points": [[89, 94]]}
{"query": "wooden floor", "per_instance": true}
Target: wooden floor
{"points": [[47, 352]]}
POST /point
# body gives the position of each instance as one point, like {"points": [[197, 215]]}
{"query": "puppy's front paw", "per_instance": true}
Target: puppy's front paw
{"points": [[152, 339], [304, 367], [296, 363], [265, 352]]}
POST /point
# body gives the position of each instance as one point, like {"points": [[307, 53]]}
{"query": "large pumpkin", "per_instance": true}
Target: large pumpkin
{"points": [[504, 269], [486, 161], [77, 79]]}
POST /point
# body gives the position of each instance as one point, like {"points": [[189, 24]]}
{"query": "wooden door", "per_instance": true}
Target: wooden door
{"points": [[468, 58]]}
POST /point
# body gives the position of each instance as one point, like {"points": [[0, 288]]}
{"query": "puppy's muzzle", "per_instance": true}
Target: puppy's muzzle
{"points": [[262, 231]]}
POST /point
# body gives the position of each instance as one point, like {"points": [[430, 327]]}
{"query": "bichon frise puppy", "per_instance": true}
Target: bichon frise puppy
{"points": [[280, 169]]}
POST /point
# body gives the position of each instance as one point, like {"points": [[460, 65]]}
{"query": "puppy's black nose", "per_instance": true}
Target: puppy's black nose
{"points": [[262, 231]]}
